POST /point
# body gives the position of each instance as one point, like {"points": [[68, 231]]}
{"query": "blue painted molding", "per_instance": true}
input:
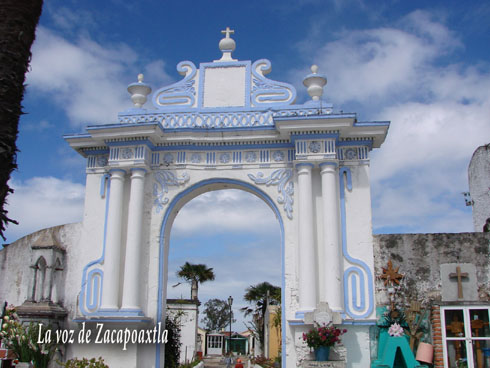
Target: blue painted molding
{"points": [[328, 163], [295, 137], [137, 142], [167, 224], [263, 115], [304, 164], [363, 142], [372, 123], [354, 274], [138, 169], [120, 125], [320, 115], [217, 147]]}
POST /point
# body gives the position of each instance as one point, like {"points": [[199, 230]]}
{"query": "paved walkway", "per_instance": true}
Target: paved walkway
{"points": [[219, 362]]}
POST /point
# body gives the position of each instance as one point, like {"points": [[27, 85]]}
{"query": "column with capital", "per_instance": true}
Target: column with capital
{"points": [[112, 256], [331, 235], [130, 300], [307, 258]]}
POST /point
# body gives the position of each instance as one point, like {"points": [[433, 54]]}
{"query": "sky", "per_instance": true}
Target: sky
{"points": [[423, 65]]}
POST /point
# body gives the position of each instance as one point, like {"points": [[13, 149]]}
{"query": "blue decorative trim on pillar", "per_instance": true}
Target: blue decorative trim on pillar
{"points": [[285, 187], [354, 274], [103, 184], [93, 274], [92, 281]]}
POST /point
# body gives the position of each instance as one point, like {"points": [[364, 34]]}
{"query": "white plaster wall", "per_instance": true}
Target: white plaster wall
{"points": [[479, 184], [224, 86], [15, 261], [359, 222], [187, 320], [357, 344]]}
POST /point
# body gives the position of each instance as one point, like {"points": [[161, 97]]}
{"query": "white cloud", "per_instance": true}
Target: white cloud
{"points": [[235, 270], [237, 235], [42, 202], [39, 127], [222, 211], [438, 113], [86, 79]]}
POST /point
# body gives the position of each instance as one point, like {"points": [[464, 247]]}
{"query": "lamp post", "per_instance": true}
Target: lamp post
{"points": [[230, 303]]}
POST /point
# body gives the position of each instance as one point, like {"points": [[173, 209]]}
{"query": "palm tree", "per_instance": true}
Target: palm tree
{"points": [[260, 296], [195, 274], [18, 22]]}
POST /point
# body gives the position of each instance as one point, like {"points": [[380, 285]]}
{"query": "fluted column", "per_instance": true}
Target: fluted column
{"points": [[130, 299], [307, 260], [331, 236], [112, 258]]}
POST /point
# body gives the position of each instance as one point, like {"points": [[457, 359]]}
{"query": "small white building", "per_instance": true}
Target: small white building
{"points": [[185, 313]]}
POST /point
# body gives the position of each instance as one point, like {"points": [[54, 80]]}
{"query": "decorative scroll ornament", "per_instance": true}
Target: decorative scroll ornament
{"points": [[285, 187], [165, 179], [267, 91], [181, 93]]}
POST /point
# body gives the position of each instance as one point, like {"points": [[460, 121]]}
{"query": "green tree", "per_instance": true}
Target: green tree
{"points": [[172, 347], [18, 22], [216, 315], [260, 296], [195, 274]]}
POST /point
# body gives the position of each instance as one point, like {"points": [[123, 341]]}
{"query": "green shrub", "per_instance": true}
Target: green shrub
{"points": [[84, 363]]}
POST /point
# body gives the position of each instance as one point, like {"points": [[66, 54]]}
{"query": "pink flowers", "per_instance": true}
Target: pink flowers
{"points": [[326, 335]]}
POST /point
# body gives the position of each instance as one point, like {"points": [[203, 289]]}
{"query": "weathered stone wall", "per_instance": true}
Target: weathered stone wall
{"points": [[419, 257], [16, 260], [479, 184]]}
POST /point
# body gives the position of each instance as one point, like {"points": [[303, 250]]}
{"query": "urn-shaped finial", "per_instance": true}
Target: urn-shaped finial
{"points": [[314, 83], [139, 91]]}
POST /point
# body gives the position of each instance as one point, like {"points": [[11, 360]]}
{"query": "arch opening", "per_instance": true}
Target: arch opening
{"points": [[208, 191]]}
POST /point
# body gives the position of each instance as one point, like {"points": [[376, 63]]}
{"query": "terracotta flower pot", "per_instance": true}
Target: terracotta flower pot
{"points": [[425, 352]]}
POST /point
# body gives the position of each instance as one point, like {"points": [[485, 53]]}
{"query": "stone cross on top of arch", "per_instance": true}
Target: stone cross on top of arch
{"points": [[227, 32]]}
